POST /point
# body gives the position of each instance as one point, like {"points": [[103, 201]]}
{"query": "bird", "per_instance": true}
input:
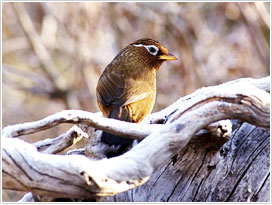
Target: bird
{"points": [[126, 90]]}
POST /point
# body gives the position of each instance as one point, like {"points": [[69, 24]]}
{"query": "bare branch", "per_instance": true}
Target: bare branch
{"points": [[161, 116], [56, 145], [78, 177], [27, 198], [136, 131]]}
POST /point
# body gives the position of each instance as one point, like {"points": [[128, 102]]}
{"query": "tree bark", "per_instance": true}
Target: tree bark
{"points": [[208, 170], [176, 160]]}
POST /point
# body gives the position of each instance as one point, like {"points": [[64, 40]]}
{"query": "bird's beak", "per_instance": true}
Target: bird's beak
{"points": [[169, 57]]}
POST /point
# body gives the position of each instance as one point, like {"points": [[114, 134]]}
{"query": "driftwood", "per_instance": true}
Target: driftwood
{"points": [[209, 170], [167, 167]]}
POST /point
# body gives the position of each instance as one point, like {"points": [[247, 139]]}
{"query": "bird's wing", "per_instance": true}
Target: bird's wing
{"points": [[113, 89]]}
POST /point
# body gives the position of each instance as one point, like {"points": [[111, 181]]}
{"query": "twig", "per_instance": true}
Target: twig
{"points": [[56, 145], [77, 151], [27, 198]]}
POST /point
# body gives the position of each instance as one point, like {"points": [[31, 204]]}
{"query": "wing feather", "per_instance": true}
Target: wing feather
{"points": [[113, 89]]}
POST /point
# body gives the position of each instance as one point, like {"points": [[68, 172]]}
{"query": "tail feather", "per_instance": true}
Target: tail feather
{"points": [[110, 139]]}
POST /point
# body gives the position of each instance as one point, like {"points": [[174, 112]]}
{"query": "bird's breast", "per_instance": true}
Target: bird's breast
{"points": [[140, 109]]}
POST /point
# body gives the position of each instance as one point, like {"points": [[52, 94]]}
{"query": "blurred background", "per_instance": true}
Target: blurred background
{"points": [[54, 53]]}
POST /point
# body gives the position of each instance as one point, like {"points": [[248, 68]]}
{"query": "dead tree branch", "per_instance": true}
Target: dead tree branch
{"points": [[56, 145], [136, 131], [26, 169]]}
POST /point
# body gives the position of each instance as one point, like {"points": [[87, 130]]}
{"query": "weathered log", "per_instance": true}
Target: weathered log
{"points": [[26, 169], [210, 170]]}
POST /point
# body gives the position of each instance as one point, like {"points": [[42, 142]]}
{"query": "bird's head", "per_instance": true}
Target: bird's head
{"points": [[152, 49], [142, 55]]}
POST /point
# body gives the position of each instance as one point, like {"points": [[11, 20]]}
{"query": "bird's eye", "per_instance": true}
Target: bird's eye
{"points": [[153, 50]]}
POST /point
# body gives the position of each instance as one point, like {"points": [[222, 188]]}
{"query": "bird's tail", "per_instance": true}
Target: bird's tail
{"points": [[110, 139]]}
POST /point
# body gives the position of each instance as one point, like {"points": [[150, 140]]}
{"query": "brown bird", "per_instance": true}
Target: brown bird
{"points": [[126, 89]]}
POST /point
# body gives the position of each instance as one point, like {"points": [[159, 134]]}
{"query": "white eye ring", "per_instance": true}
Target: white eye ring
{"points": [[153, 50]]}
